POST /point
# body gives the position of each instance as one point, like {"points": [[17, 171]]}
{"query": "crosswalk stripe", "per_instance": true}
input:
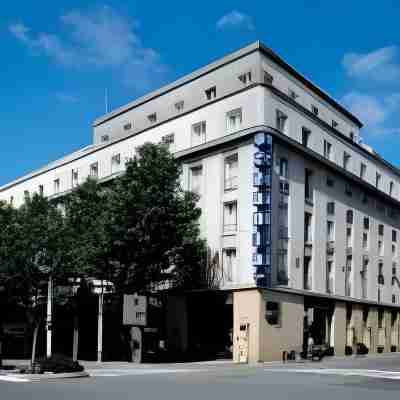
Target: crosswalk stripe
{"points": [[370, 373]]}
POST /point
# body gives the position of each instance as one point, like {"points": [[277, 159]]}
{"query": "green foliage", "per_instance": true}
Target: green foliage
{"points": [[31, 246], [139, 231], [156, 232]]}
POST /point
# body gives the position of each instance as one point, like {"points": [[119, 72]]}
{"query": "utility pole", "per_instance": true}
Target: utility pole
{"points": [[49, 316]]}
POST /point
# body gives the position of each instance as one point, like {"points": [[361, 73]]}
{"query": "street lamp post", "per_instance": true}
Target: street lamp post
{"points": [[49, 316]]}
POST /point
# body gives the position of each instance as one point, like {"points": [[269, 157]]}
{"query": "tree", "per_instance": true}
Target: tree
{"points": [[155, 225], [31, 247], [89, 240]]}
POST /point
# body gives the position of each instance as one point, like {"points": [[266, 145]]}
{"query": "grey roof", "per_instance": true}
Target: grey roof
{"points": [[256, 46]]}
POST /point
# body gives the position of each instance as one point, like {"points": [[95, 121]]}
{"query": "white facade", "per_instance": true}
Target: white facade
{"points": [[212, 132]]}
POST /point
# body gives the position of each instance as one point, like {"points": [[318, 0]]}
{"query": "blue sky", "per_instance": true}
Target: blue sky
{"points": [[58, 57]]}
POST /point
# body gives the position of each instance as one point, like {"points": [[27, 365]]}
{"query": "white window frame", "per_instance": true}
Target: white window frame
{"points": [[231, 179], [229, 268], [198, 133], [115, 163], [235, 115], [230, 227]]}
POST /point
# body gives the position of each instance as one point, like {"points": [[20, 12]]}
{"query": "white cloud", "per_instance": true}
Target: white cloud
{"points": [[235, 19], [375, 112], [98, 38], [365, 107], [379, 65]]}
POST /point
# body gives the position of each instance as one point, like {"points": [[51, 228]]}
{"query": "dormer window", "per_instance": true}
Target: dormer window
{"points": [[334, 124], [128, 126], [152, 118], [292, 94], [105, 138], [211, 93], [314, 110], [179, 106], [245, 78], [268, 78]]}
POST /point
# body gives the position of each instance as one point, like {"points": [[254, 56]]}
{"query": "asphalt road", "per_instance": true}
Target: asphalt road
{"points": [[372, 378]]}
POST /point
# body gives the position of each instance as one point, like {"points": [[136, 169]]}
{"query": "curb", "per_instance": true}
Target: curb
{"points": [[44, 377]]}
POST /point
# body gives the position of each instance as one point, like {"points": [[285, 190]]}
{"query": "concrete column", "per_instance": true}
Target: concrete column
{"points": [[373, 324], [339, 327]]}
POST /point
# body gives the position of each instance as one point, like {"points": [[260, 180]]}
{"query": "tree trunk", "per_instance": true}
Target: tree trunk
{"points": [[35, 333], [76, 339]]}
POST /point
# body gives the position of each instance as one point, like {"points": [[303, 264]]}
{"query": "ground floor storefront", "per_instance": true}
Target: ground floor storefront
{"points": [[267, 323]]}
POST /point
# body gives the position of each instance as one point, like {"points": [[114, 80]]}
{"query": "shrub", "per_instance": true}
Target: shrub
{"points": [[362, 349], [59, 364], [348, 351]]}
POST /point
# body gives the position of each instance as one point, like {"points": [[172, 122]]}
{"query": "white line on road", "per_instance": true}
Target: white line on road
{"points": [[137, 371], [370, 373], [12, 379]]}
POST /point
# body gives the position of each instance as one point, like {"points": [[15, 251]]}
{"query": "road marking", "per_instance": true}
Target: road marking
{"points": [[370, 373], [7, 378], [138, 371]]}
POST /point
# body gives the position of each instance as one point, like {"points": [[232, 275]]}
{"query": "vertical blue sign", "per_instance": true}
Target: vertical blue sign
{"points": [[262, 178]]}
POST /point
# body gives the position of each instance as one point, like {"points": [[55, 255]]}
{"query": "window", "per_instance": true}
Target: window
{"points": [[391, 188], [346, 160], [363, 170], [292, 94], [393, 298], [229, 263], [305, 136], [308, 185], [334, 124], [198, 133], [330, 274], [330, 208], [283, 168], [365, 241], [349, 237], [230, 217], [231, 172], [330, 231], [168, 140], [380, 229], [347, 280], [268, 78], [56, 186], [128, 126], [393, 250], [380, 248], [394, 269], [179, 106], [366, 223], [364, 277], [327, 150], [245, 78], [195, 179], [314, 110], [281, 121], [94, 170], [394, 236], [307, 228], [152, 118], [307, 278], [330, 182], [115, 163], [105, 138], [41, 190], [351, 135], [234, 119], [26, 194], [377, 180], [349, 216], [211, 93], [11, 200], [74, 177]]}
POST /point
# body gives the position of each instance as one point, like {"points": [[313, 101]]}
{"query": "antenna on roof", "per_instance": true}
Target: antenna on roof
{"points": [[106, 99]]}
